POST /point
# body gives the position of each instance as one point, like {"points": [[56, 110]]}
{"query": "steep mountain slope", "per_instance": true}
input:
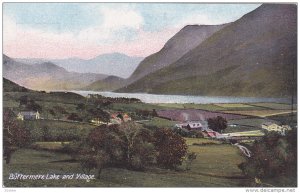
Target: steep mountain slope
{"points": [[253, 56], [46, 76], [182, 42], [116, 64]]}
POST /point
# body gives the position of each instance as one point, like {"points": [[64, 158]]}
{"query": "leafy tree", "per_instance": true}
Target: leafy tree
{"points": [[14, 135], [217, 124], [131, 146], [100, 114], [120, 116], [103, 147], [139, 149], [23, 100], [274, 155], [171, 148]]}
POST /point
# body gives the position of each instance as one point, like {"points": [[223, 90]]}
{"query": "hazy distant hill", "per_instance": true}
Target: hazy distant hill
{"points": [[46, 76], [116, 64], [253, 56], [108, 84]]}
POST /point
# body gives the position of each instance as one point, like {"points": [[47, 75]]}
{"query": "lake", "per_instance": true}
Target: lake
{"points": [[157, 98]]}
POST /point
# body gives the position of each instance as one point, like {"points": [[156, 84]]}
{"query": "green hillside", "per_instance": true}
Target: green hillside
{"points": [[250, 57], [9, 86]]}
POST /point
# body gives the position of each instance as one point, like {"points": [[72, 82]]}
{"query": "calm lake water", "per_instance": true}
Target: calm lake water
{"points": [[155, 98]]}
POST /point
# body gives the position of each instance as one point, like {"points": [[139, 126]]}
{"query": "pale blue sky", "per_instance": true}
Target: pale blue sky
{"points": [[77, 16], [131, 28]]}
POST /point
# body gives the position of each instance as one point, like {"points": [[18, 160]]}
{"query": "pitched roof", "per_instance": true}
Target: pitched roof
{"points": [[28, 113], [195, 125]]}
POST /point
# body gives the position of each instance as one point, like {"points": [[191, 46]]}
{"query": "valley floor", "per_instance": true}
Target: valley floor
{"points": [[216, 164]]}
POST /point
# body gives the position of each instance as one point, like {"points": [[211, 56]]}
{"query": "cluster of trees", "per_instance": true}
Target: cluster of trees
{"points": [[274, 155], [143, 114], [15, 135], [29, 104], [46, 133], [187, 133], [85, 113], [105, 101], [131, 146]]}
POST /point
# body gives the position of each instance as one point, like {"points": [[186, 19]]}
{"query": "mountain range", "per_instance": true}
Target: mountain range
{"points": [[253, 56], [115, 64], [46, 76]]}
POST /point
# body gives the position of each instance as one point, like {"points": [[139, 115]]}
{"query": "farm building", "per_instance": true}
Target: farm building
{"points": [[97, 121], [213, 134], [118, 118], [191, 125], [269, 126], [28, 115]]}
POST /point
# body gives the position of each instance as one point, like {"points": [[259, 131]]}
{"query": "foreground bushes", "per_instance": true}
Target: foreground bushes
{"points": [[130, 146], [274, 155]]}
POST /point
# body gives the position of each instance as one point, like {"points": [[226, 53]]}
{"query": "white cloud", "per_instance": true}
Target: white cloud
{"points": [[26, 42], [113, 21], [121, 17]]}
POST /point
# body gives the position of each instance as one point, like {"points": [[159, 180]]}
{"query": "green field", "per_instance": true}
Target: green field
{"points": [[201, 141], [159, 123], [238, 107], [54, 145], [248, 124], [215, 166], [209, 107], [275, 106], [255, 133], [57, 130], [260, 113], [253, 122]]}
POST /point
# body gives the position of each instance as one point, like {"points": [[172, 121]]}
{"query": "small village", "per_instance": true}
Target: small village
{"points": [[186, 126]]}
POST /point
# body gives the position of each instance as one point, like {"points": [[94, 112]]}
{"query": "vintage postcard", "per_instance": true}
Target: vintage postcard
{"points": [[150, 95]]}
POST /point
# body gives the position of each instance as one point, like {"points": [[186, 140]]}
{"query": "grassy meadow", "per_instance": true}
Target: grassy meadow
{"points": [[216, 164]]}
